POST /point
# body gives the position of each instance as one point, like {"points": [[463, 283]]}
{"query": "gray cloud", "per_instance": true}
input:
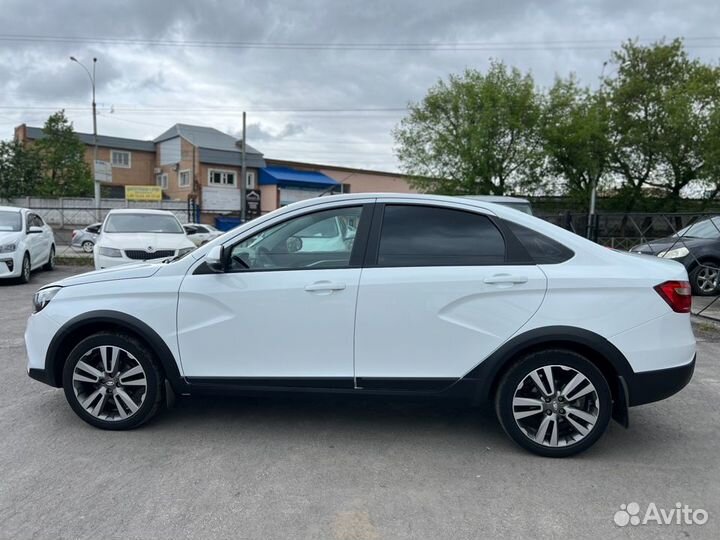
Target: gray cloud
{"points": [[211, 86]]}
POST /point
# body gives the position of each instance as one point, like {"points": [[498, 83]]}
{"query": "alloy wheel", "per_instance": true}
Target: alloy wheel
{"points": [[707, 279], [109, 383], [87, 246], [26, 269], [555, 406]]}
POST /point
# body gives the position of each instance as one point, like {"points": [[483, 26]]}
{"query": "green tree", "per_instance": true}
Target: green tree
{"points": [[61, 155], [575, 134], [661, 104], [19, 170], [474, 134]]}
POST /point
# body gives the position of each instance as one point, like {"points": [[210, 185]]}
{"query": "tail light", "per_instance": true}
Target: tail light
{"points": [[75, 233], [677, 294]]}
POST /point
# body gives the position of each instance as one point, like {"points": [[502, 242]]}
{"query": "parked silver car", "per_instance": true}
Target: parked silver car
{"points": [[85, 238]]}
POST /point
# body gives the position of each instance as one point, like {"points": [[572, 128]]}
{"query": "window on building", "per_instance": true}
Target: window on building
{"points": [[162, 180], [221, 178], [414, 235], [184, 179], [250, 180], [118, 158]]}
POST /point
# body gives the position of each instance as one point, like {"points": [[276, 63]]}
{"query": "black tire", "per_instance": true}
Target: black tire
{"points": [[50, 264], [25, 269], [87, 246], [142, 355], [699, 277], [523, 368]]}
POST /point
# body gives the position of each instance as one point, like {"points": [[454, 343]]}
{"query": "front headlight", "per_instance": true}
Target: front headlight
{"points": [[109, 252], [43, 296], [674, 253], [8, 248]]}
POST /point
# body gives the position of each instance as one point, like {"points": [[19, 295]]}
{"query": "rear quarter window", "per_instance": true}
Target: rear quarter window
{"points": [[542, 250]]}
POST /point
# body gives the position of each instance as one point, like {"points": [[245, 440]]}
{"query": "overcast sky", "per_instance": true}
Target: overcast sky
{"points": [[161, 62]]}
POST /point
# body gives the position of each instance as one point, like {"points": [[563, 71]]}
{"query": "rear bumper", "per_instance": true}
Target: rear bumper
{"points": [[648, 386]]}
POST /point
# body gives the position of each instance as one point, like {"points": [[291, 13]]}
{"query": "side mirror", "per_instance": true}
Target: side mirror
{"points": [[35, 230], [215, 259]]}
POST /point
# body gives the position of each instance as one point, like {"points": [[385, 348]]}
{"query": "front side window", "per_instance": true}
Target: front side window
{"points": [[10, 221], [120, 159], [139, 223], [313, 241], [414, 235]]}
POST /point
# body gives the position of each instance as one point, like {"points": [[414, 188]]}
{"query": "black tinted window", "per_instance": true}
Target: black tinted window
{"points": [[541, 249], [429, 236]]}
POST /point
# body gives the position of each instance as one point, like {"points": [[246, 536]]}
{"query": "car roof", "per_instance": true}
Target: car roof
{"points": [[12, 209], [496, 198], [140, 211]]}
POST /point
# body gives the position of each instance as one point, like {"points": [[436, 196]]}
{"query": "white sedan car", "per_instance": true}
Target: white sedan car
{"points": [[131, 236], [430, 295], [26, 243], [201, 233]]}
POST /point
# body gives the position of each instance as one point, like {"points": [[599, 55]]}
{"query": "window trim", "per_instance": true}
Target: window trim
{"points": [[225, 172], [515, 253], [118, 166], [357, 255], [180, 184]]}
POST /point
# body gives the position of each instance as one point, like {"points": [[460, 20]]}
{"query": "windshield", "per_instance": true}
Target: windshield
{"points": [[10, 221], [139, 223], [709, 228]]}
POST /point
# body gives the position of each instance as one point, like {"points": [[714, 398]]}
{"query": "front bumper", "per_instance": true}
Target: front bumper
{"points": [[39, 333], [10, 264], [649, 386]]}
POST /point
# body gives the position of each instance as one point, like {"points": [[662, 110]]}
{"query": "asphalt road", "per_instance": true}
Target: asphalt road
{"points": [[339, 468]]}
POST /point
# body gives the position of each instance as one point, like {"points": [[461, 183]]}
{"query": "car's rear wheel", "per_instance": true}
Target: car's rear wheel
{"points": [[25, 269], [112, 381], [704, 279], [555, 403], [87, 246], [50, 264]]}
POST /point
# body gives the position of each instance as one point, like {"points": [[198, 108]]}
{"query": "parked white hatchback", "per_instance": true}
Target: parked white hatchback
{"points": [[131, 236], [425, 295], [26, 243]]}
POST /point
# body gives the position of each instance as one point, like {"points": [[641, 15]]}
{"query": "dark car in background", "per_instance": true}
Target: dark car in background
{"points": [[697, 247]]}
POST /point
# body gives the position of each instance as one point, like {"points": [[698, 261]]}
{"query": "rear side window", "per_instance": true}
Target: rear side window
{"points": [[430, 236], [542, 250]]}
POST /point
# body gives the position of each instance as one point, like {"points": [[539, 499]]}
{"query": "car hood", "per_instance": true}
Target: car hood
{"points": [[9, 237], [672, 242], [127, 271], [145, 240]]}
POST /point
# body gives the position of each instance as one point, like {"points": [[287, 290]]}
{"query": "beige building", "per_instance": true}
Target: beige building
{"points": [[202, 166]]}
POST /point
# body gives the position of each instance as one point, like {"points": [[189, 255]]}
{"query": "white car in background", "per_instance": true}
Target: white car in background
{"points": [[200, 233], [26, 243], [131, 236]]}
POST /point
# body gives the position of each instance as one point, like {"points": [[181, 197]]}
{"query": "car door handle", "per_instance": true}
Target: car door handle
{"points": [[505, 279], [320, 286]]}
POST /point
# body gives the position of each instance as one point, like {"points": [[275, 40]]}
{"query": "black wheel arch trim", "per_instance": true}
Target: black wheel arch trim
{"points": [[487, 374], [118, 319]]}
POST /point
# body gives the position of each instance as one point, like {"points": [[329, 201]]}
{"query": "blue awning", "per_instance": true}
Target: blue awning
{"points": [[286, 176]]}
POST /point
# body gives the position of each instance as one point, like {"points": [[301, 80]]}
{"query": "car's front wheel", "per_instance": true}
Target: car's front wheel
{"points": [[112, 381], [555, 403], [25, 269], [704, 279], [50, 264]]}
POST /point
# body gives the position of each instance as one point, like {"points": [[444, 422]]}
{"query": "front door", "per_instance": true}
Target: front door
{"points": [[284, 310], [438, 296]]}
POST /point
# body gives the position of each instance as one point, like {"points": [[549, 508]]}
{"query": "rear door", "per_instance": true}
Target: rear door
{"points": [[439, 293]]}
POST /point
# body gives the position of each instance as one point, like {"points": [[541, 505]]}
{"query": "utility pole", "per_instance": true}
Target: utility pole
{"points": [[593, 188], [243, 174], [96, 183]]}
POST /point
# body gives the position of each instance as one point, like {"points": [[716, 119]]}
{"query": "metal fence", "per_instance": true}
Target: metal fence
{"points": [[690, 238]]}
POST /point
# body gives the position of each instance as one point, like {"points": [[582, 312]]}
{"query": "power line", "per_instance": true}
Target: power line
{"points": [[353, 46]]}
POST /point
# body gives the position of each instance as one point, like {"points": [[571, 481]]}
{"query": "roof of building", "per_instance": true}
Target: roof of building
{"points": [[288, 162], [105, 141], [206, 137], [231, 158], [286, 176]]}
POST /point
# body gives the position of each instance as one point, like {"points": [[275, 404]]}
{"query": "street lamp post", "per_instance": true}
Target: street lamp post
{"points": [[95, 139]]}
